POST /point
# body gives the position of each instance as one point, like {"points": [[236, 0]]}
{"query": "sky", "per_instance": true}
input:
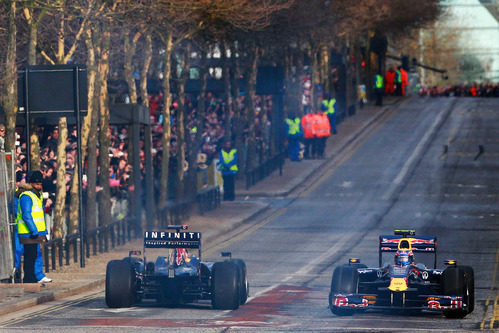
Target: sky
{"points": [[470, 14]]}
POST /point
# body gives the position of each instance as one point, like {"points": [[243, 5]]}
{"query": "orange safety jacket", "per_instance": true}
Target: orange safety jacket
{"points": [[322, 128], [307, 126], [389, 82]]}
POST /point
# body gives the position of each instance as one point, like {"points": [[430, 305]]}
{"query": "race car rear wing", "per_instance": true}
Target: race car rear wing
{"points": [[421, 244], [172, 239]]}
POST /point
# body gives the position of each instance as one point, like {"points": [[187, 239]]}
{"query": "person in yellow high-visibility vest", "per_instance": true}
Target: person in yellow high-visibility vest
{"points": [[294, 133], [329, 107], [30, 220], [379, 89], [228, 167]]}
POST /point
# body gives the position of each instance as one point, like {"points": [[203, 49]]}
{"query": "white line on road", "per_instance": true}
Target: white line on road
{"points": [[410, 161]]}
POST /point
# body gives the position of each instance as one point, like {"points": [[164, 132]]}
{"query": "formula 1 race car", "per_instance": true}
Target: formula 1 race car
{"points": [[403, 285], [177, 276]]}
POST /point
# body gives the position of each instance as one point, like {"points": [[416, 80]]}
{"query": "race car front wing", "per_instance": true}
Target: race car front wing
{"points": [[397, 301]]}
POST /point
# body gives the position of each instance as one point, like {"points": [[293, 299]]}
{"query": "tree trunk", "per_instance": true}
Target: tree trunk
{"points": [[60, 203], [165, 138], [324, 70], [315, 77], [195, 144], [91, 202], [9, 98], [130, 47], [103, 70], [251, 160], [34, 148], [184, 76], [32, 42], [145, 69], [227, 89], [300, 74], [238, 112]]}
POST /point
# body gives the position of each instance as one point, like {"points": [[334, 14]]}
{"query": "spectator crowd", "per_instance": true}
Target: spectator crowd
{"points": [[213, 135], [462, 90]]}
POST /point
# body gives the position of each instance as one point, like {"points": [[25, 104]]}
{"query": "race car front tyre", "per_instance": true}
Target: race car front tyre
{"points": [[243, 281], [470, 276], [120, 284], [225, 286], [459, 281], [345, 280]]}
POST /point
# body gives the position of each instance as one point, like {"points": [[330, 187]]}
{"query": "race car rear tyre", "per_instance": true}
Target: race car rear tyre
{"points": [[470, 276], [459, 281], [120, 284], [243, 281], [345, 280], [225, 286]]}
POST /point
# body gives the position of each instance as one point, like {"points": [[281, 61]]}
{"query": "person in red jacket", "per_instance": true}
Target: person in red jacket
{"points": [[390, 81], [308, 134], [322, 130], [404, 78]]}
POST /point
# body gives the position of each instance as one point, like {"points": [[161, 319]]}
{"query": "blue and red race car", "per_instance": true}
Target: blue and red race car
{"points": [[176, 275], [403, 285]]}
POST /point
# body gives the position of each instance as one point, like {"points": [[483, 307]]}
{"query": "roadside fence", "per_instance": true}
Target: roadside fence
{"points": [[260, 172], [97, 240]]}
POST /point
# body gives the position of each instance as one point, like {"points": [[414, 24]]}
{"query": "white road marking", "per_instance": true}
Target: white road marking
{"points": [[410, 161]]}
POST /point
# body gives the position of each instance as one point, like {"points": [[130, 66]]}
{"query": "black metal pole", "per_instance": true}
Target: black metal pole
{"points": [[26, 114], [81, 227]]}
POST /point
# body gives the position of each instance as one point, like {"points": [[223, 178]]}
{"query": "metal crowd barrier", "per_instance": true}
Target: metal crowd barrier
{"points": [[208, 199], [98, 240], [51, 247], [258, 173]]}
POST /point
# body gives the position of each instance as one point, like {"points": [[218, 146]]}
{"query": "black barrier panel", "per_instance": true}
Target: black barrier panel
{"points": [[51, 88], [193, 86], [270, 80]]}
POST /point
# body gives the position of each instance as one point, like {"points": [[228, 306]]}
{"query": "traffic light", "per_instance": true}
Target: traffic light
{"points": [[405, 62]]}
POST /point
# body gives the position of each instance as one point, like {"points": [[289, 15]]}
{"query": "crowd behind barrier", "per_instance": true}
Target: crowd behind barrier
{"points": [[120, 170], [462, 90]]}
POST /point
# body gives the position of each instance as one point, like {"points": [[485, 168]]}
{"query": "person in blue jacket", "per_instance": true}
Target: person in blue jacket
{"points": [[31, 228]]}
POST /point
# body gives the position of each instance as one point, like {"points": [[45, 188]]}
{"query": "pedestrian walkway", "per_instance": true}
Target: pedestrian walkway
{"points": [[72, 279]]}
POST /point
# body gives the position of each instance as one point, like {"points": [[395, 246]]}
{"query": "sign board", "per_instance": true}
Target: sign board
{"points": [[51, 89]]}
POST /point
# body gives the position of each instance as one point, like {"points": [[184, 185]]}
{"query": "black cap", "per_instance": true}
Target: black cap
{"points": [[19, 176], [35, 176]]}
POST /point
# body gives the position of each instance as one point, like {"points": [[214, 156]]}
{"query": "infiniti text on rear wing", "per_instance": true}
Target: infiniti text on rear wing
{"points": [[172, 239]]}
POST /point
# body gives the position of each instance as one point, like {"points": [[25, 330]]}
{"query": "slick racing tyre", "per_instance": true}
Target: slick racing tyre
{"points": [[470, 276], [120, 284], [243, 281], [345, 280], [459, 281], [225, 286]]}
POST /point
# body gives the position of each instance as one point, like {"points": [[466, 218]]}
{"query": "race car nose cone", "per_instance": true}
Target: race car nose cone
{"points": [[398, 284]]}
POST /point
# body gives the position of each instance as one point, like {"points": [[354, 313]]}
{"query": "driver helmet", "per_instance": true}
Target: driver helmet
{"points": [[404, 258]]}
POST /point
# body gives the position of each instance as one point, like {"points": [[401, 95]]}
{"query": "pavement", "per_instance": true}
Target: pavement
{"points": [[72, 280]]}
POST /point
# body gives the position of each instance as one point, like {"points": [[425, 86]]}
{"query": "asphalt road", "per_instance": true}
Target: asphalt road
{"points": [[430, 165]]}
